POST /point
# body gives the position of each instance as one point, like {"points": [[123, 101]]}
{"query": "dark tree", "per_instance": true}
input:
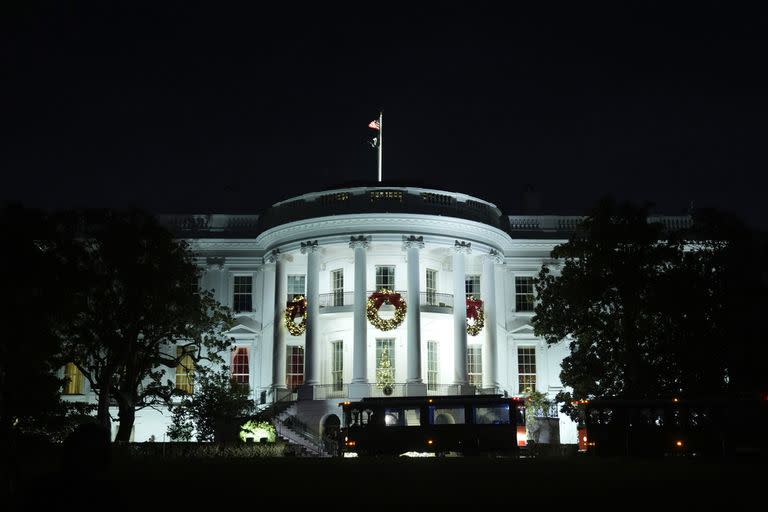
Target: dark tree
{"points": [[34, 299], [734, 267], [638, 307], [138, 299]]}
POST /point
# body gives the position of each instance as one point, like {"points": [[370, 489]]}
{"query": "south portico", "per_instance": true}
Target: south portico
{"points": [[361, 383]]}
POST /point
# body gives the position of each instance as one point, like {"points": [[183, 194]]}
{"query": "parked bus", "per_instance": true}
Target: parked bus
{"points": [[691, 427], [466, 424]]}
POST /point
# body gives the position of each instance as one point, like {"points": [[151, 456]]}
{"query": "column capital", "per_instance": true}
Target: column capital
{"points": [[309, 246], [462, 247], [494, 256], [359, 242], [274, 256], [413, 242], [215, 262]]}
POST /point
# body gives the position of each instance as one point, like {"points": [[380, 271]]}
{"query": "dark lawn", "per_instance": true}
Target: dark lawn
{"points": [[580, 482]]}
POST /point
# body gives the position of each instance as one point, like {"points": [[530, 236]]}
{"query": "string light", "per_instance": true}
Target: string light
{"points": [[475, 312], [297, 307], [376, 300]]}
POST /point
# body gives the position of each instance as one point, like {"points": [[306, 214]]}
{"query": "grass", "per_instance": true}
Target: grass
{"points": [[584, 481]]}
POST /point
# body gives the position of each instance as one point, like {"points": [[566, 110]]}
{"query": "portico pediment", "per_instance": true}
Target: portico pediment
{"points": [[520, 326], [245, 325]]}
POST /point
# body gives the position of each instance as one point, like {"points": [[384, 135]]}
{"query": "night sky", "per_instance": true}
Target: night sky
{"points": [[185, 107]]}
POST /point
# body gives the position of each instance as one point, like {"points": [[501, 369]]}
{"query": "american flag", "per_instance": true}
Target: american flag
{"points": [[374, 124]]}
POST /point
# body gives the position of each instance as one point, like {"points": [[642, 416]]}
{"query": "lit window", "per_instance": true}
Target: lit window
{"points": [[240, 366], [294, 372], [390, 344], [185, 369], [74, 385], [526, 369]]}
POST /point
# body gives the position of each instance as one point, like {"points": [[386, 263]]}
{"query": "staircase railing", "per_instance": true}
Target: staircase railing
{"points": [[302, 435], [271, 411]]}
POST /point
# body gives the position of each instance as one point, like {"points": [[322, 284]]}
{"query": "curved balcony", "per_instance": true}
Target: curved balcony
{"points": [[339, 390], [339, 302], [336, 299]]}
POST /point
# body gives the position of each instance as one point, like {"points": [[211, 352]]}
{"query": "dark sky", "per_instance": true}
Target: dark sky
{"points": [[197, 107]]}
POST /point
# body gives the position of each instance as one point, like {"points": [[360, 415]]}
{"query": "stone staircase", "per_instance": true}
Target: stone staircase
{"points": [[302, 441]]}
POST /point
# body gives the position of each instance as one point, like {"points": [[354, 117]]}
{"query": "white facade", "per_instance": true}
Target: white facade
{"points": [[330, 246]]}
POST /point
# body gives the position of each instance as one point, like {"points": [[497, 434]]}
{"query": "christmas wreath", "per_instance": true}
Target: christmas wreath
{"points": [[475, 313], [296, 308], [376, 300]]}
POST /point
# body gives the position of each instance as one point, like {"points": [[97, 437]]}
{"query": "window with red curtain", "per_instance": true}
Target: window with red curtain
{"points": [[294, 374], [240, 366]]}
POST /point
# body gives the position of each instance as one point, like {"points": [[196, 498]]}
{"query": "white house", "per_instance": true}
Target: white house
{"points": [[339, 247]]}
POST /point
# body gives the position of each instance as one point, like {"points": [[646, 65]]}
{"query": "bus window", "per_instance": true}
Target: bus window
{"points": [[498, 415], [676, 418], [699, 417], [392, 417], [354, 418], [447, 416], [402, 417], [412, 417], [601, 416]]}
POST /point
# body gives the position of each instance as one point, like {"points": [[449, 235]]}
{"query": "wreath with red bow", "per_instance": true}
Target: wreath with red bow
{"points": [[376, 300], [476, 314], [297, 308]]}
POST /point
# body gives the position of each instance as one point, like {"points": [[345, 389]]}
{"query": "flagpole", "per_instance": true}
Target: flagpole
{"points": [[381, 139]]}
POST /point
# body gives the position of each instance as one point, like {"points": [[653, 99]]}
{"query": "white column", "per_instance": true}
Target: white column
{"points": [[413, 383], [213, 280], [460, 377], [312, 337], [359, 386], [279, 388], [488, 292]]}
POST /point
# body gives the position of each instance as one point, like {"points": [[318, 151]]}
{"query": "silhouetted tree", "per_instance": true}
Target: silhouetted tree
{"points": [[733, 264], [35, 297], [217, 404], [138, 299], [638, 307]]}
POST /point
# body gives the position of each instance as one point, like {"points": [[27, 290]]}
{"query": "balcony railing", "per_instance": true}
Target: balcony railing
{"points": [[338, 390], [327, 391], [336, 299], [441, 300], [397, 390], [340, 298]]}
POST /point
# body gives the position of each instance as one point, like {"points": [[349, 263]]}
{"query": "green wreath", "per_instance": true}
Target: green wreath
{"points": [[376, 300], [296, 308], [476, 314]]}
